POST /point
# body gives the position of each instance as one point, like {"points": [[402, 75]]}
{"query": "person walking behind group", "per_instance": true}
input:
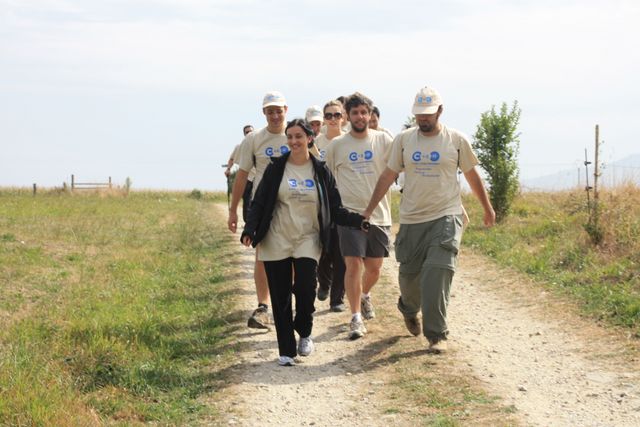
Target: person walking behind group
{"points": [[331, 267], [374, 122], [357, 159], [256, 151], [289, 222], [431, 214], [234, 159]]}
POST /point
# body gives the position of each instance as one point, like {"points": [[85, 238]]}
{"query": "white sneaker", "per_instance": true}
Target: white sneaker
{"points": [[356, 329], [305, 346], [286, 361]]}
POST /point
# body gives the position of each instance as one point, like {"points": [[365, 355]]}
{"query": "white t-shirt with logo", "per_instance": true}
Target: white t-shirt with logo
{"points": [[431, 185], [295, 229], [261, 145], [357, 164], [322, 142]]}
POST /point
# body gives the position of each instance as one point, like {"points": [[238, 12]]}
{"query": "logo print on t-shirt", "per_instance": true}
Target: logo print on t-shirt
{"points": [[366, 155], [293, 183], [308, 183], [269, 151], [434, 156]]}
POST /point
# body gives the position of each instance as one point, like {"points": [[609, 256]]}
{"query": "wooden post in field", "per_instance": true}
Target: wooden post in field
{"points": [[109, 183], [596, 167], [34, 189], [73, 182]]}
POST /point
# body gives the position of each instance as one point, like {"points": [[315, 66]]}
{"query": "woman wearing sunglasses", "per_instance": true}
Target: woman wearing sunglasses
{"points": [[333, 120], [290, 217]]}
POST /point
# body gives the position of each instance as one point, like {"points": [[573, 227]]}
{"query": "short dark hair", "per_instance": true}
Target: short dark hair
{"points": [[375, 110], [244, 129], [356, 100]]}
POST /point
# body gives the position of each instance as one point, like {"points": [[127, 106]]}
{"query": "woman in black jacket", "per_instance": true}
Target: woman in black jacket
{"points": [[290, 217]]}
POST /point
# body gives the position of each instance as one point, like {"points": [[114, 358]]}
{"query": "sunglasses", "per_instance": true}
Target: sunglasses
{"points": [[330, 116]]}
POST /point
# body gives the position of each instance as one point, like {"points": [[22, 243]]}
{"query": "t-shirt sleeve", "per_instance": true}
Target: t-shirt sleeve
{"points": [[329, 157], [467, 157], [395, 161], [245, 153]]}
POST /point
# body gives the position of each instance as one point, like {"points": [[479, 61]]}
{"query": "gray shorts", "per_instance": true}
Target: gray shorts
{"points": [[371, 244]]}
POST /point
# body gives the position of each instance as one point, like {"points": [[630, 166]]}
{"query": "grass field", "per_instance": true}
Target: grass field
{"points": [[545, 237], [112, 307]]}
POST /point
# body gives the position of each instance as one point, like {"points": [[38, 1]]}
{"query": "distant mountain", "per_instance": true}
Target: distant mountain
{"points": [[612, 175]]}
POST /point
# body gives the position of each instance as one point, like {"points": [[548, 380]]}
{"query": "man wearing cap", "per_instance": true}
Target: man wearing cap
{"points": [[357, 159], [431, 214], [256, 151], [314, 117]]}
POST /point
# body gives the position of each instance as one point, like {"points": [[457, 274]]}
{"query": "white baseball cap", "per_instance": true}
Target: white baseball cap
{"points": [[314, 113], [427, 101], [274, 98]]}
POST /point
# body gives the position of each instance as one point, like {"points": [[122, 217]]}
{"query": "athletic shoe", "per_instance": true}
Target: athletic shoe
{"points": [[338, 308], [286, 361], [259, 319], [413, 325], [367, 308], [356, 329], [323, 294], [437, 346], [305, 346]]}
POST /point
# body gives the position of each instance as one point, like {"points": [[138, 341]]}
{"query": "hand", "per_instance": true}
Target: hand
{"points": [[232, 222], [246, 240], [489, 218]]}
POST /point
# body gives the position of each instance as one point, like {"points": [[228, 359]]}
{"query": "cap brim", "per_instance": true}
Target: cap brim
{"points": [[274, 104], [425, 110], [315, 119]]}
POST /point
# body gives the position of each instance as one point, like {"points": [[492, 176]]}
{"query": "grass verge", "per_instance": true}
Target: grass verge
{"points": [[114, 308]]}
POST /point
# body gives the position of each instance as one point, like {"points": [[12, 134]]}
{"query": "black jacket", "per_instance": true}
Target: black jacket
{"points": [[263, 204]]}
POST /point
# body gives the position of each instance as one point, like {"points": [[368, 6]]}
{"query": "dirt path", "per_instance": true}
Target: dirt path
{"points": [[507, 337]]}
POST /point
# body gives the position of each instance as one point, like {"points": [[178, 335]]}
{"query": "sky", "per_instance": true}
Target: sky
{"points": [[158, 90]]}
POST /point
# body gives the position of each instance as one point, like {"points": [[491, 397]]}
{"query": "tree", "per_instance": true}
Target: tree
{"points": [[497, 144], [410, 122]]}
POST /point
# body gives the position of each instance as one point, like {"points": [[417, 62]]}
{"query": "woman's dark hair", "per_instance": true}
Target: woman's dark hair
{"points": [[375, 110], [304, 125]]}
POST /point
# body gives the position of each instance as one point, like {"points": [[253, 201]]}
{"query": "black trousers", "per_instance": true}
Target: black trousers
{"points": [[279, 275], [331, 270]]}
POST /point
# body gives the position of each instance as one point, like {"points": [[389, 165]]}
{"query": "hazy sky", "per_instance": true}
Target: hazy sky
{"points": [[158, 90]]}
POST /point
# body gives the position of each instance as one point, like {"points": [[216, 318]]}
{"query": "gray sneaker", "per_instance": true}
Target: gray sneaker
{"points": [[338, 308], [286, 361], [259, 318], [367, 308], [413, 325], [437, 346], [356, 329], [305, 346]]}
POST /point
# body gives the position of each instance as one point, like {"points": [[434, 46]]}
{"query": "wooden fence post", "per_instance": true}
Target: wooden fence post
{"points": [[34, 189], [72, 182]]}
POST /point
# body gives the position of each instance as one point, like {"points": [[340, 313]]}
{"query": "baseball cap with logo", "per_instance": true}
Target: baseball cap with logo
{"points": [[314, 114], [427, 101], [274, 98]]}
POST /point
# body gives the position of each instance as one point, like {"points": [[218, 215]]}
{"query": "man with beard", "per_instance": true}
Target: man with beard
{"points": [[256, 151], [431, 214], [357, 159]]}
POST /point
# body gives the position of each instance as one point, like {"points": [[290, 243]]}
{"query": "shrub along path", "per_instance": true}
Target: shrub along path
{"points": [[518, 355]]}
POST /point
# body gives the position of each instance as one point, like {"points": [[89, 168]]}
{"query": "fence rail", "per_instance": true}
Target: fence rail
{"points": [[89, 185]]}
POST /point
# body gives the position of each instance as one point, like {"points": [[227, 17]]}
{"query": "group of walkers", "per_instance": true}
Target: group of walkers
{"points": [[318, 211]]}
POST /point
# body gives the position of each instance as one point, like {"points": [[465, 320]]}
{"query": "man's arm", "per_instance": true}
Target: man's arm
{"points": [[236, 194], [382, 186], [475, 182]]}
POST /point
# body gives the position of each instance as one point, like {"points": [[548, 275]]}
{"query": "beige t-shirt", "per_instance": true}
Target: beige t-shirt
{"points": [[235, 155], [261, 145], [295, 229], [322, 142], [357, 165], [431, 186]]}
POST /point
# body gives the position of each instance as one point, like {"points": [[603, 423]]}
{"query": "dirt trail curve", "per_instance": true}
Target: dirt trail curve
{"points": [[520, 343]]}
